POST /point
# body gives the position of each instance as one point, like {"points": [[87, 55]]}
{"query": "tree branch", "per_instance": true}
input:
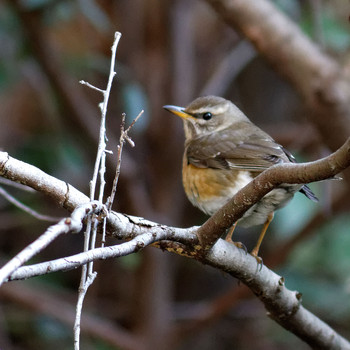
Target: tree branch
{"points": [[282, 304], [59, 191], [72, 224], [139, 242], [290, 173]]}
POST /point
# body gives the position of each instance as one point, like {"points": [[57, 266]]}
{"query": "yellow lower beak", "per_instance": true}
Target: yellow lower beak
{"points": [[179, 111]]}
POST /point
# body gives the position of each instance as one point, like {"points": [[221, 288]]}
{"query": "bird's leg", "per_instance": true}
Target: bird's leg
{"points": [[255, 250], [229, 238], [230, 233]]}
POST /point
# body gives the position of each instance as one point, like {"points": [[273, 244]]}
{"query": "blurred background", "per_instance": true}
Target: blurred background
{"points": [[170, 52]]}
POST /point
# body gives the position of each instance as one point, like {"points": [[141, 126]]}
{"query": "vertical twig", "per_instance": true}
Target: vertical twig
{"points": [[82, 292], [88, 276], [102, 137], [123, 137]]}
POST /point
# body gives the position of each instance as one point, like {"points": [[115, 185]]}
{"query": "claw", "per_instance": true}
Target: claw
{"points": [[258, 260], [240, 245]]}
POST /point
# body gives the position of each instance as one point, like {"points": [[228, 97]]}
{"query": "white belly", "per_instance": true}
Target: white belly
{"points": [[274, 200]]}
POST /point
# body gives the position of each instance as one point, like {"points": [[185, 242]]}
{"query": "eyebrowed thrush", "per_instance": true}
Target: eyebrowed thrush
{"points": [[224, 151]]}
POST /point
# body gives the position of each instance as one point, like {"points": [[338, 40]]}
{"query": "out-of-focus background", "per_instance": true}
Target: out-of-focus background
{"points": [[170, 52]]}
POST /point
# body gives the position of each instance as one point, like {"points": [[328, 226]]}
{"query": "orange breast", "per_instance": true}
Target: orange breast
{"points": [[209, 189]]}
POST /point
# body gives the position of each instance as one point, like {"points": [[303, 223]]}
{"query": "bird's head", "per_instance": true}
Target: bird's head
{"points": [[207, 114]]}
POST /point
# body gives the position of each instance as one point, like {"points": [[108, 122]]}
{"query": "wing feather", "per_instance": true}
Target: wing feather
{"points": [[246, 147]]}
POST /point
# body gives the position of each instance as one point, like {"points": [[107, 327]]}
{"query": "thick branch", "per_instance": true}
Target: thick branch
{"points": [[283, 305], [68, 197], [289, 173], [61, 192]]}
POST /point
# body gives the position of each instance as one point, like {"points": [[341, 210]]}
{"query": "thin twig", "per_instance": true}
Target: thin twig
{"points": [[70, 224], [86, 248], [110, 200], [27, 209], [74, 261], [88, 275], [95, 223], [7, 182], [123, 137], [79, 307], [83, 82], [283, 304], [106, 93]]}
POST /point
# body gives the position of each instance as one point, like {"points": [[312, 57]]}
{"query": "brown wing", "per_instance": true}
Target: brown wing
{"points": [[244, 147]]}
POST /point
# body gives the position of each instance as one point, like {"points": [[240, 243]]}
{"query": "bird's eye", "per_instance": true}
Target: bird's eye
{"points": [[207, 116]]}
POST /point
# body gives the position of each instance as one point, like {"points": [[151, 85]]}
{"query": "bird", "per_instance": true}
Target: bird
{"points": [[223, 152]]}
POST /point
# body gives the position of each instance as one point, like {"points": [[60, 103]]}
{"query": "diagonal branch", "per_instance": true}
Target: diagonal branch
{"points": [[62, 193], [133, 246], [72, 224], [290, 173], [282, 304], [128, 227]]}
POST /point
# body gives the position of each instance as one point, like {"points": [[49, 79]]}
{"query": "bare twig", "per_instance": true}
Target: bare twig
{"points": [[4, 181], [221, 305], [25, 208], [284, 306], [82, 292], [102, 136], [88, 276], [271, 290], [59, 191], [70, 224], [121, 224], [126, 226], [123, 137], [83, 82], [134, 245]]}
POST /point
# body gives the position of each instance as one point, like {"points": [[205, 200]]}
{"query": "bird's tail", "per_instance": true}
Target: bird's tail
{"points": [[308, 193]]}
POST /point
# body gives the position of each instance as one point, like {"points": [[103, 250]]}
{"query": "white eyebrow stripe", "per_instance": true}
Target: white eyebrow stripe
{"points": [[218, 110]]}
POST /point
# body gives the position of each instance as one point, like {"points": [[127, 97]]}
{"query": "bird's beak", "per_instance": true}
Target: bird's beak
{"points": [[179, 111]]}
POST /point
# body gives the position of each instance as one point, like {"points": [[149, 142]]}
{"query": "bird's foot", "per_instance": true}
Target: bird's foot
{"points": [[240, 245], [259, 260]]}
